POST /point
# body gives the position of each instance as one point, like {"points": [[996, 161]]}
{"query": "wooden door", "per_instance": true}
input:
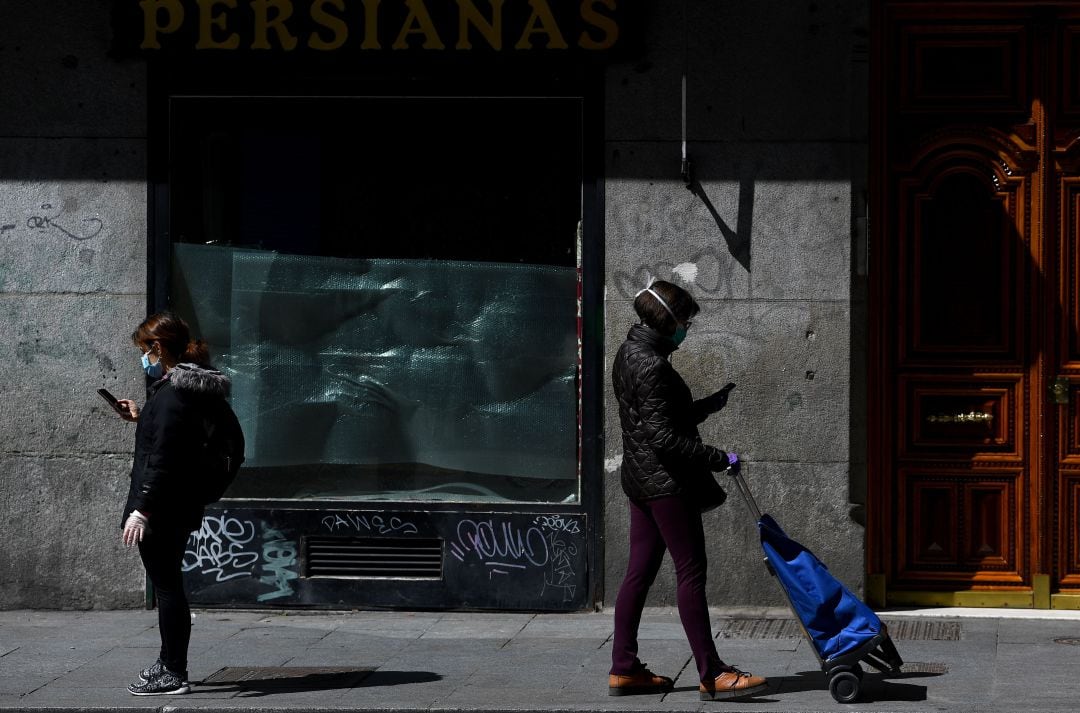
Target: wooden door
{"points": [[974, 467]]}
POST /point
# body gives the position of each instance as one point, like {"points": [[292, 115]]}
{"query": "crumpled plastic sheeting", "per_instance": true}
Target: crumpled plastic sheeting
{"points": [[463, 366]]}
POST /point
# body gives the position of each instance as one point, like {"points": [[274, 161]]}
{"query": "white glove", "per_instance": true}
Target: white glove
{"points": [[135, 528]]}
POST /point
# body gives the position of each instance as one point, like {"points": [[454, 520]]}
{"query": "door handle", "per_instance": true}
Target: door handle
{"points": [[969, 417], [1059, 390]]}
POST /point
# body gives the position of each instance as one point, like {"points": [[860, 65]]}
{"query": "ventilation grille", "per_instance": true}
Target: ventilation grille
{"points": [[396, 557], [899, 630]]}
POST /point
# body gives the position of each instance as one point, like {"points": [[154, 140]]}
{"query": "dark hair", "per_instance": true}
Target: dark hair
{"points": [[174, 335], [653, 314]]}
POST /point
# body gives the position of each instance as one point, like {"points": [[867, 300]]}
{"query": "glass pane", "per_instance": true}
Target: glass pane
{"points": [[397, 307]]}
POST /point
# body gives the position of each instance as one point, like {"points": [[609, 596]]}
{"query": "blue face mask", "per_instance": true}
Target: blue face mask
{"points": [[154, 371], [679, 336]]}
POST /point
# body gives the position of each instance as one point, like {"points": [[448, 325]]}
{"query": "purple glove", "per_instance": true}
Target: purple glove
{"points": [[733, 462]]}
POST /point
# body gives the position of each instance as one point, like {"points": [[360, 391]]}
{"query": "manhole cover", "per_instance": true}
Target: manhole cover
{"points": [[920, 667], [1068, 642], [311, 677]]}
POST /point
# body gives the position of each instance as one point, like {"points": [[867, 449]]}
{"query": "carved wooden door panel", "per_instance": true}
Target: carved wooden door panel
{"points": [[1062, 529], [975, 302]]}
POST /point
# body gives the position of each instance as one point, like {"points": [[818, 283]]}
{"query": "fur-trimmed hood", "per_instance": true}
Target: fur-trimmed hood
{"points": [[199, 380]]}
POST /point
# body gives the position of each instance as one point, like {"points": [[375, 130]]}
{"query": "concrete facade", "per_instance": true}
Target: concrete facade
{"points": [[776, 102], [72, 287], [776, 127]]}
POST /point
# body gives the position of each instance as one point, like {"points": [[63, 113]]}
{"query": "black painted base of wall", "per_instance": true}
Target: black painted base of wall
{"points": [[351, 558]]}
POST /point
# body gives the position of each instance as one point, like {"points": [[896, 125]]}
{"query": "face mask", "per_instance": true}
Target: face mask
{"points": [[154, 371], [679, 336]]}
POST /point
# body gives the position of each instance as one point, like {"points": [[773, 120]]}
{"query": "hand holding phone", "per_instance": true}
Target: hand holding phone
{"points": [[111, 400], [719, 400], [123, 408]]}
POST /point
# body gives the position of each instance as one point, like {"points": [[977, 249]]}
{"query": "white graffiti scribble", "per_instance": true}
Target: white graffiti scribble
{"points": [[392, 525], [219, 547], [560, 575], [500, 544], [557, 523], [547, 544]]}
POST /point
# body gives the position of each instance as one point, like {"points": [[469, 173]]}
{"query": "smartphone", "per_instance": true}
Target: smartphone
{"points": [[104, 393]]}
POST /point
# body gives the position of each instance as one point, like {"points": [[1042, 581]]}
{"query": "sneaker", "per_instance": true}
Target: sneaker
{"points": [[732, 683], [154, 670], [164, 684], [642, 681]]}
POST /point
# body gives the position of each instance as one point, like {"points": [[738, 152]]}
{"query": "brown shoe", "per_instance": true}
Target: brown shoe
{"points": [[644, 681], [732, 684]]}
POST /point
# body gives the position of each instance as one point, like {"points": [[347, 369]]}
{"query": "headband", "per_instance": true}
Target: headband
{"points": [[659, 299]]}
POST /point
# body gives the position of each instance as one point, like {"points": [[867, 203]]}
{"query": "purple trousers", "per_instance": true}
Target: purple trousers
{"points": [[669, 523]]}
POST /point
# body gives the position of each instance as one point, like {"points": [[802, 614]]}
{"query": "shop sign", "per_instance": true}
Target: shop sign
{"points": [[150, 27]]}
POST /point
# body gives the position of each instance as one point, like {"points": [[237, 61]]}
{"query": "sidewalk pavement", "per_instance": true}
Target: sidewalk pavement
{"points": [[956, 660]]}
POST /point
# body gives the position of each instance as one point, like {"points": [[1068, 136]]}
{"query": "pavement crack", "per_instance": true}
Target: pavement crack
{"points": [[605, 641], [678, 676], [521, 629]]}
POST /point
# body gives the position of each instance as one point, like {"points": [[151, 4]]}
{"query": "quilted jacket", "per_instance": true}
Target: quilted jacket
{"points": [[662, 449]]}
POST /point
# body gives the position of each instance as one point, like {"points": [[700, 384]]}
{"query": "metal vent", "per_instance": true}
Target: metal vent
{"points": [[899, 630], [923, 630], [759, 629], [394, 557]]}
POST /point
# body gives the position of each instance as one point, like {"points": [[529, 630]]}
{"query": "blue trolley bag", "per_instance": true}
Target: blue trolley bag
{"points": [[841, 629]]}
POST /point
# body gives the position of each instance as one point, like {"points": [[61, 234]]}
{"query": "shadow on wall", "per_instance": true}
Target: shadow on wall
{"points": [[738, 240], [706, 260]]}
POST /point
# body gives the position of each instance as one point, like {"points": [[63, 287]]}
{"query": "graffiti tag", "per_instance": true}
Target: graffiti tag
{"points": [[219, 547], [279, 559]]}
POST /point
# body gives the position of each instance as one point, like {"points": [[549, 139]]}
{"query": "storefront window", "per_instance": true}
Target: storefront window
{"points": [[391, 284]]}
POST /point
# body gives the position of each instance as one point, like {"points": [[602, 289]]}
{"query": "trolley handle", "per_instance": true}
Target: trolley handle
{"points": [[744, 490]]}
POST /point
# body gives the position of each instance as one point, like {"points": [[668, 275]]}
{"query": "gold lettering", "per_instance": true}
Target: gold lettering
{"points": [[151, 11], [418, 22], [542, 14], [208, 21], [600, 21], [492, 31], [330, 22], [371, 25], [283, 10]]}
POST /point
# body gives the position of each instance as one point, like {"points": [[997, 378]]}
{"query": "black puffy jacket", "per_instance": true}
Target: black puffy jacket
{"points": [[662, 449], [167, 437]]}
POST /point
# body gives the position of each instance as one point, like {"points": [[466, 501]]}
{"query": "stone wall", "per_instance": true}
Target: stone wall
{"points": [[763, 238], [72, 287], [776, 123]]}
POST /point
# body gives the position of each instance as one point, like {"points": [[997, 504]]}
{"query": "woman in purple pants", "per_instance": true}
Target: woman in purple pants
{"points": [[664, 461]]}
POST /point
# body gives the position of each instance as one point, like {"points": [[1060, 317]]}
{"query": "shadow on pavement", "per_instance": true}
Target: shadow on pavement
{"points": [[264, 681], [874, 687]]}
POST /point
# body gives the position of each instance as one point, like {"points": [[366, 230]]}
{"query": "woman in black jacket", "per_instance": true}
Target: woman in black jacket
{"points": [[664, 467], [163, 507]]}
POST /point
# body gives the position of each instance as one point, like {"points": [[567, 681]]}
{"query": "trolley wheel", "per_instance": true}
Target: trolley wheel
{"points": [[844, 686]]}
